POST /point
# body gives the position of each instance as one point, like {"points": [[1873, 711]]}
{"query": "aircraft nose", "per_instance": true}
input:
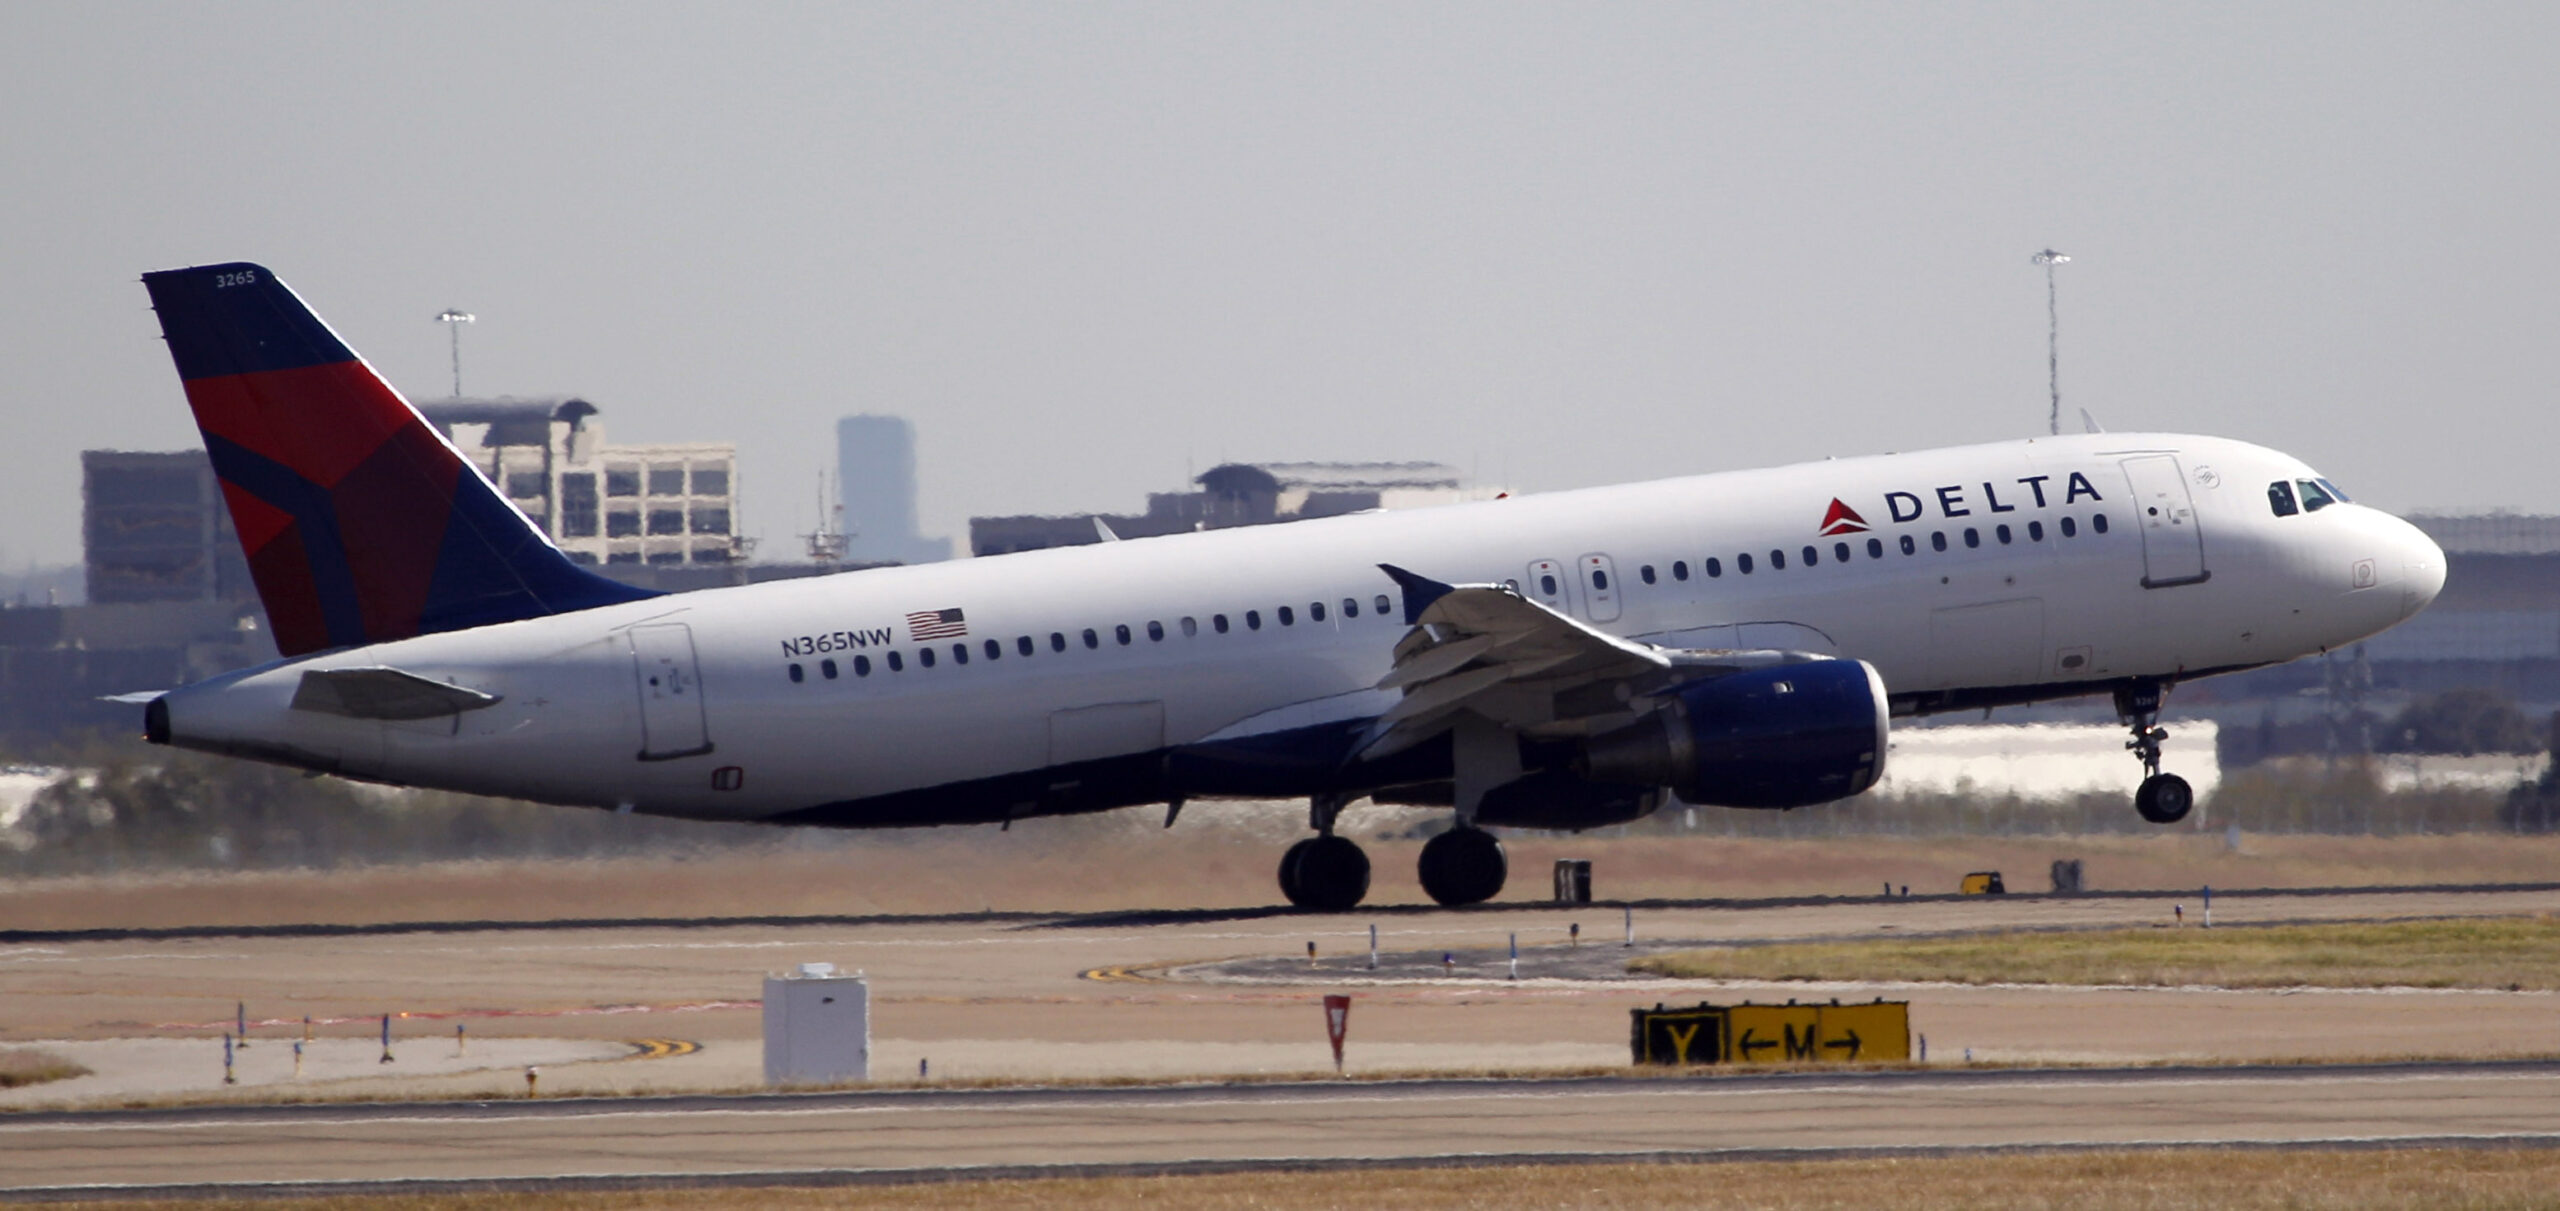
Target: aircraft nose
{"points": [[2421, 567]]}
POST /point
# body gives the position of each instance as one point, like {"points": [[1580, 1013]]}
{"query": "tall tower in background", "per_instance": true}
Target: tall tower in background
{"points": [[876, 466]]}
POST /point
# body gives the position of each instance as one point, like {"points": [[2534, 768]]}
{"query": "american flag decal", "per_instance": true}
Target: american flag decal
{"points": [[928, 625]]}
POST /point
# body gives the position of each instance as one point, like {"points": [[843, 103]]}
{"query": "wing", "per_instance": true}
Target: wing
{"points": [[1486, 650]]}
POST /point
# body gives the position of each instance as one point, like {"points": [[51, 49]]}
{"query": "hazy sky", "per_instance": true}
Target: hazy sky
{"points": [[1091, 249]]}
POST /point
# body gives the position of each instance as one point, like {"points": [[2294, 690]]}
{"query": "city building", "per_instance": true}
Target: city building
{"points": [[154, 528], [876, 473], [1241, 494], [669, 505]]}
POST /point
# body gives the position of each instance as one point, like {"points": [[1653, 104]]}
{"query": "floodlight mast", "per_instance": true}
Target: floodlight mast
{"points": [[2052, 336], [455, 318]]}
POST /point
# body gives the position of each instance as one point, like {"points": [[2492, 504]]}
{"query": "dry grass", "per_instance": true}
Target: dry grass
{"points": [[1127, 860], [2492, 952], [28, 1066], [2306, 1180]]}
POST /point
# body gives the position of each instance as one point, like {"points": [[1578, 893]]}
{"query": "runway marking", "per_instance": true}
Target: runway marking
{"points": [[661, 1049]]}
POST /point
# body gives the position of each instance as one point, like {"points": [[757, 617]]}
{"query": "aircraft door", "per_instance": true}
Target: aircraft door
{"points": [[1600, 587], [1550, 585], [2172, 545], [672, 723]]}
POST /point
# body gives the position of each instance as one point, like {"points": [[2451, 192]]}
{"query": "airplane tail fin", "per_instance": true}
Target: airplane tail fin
{"points": [[360, 522]]}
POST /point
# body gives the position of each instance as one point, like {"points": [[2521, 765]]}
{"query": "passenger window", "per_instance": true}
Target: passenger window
{"points": [[1218, 623], [1679, 569], [994, 649], [827, 668], [1742, 563], [1599, 580], [897, 663], [1715, 568], [2070, 528], [2002, 532], [797, 676], [2280, 499], [1840, 551], [1380, 601], [1023, 645], [1647, 573], [1253, 620], [2314, 498], [1155, 631], [1315, 611], [1972, 538], [1812, 557], [959, 653], [1121, 633], [1777, 561], [1909, 547], [1288, 617], [924, 657], [1091, 640], [1057, 641], [1547, 585], [861, 666], [2035, 531], [1875, 548], [1937, 540], [1190, 627], [2097, 523], [1351, 607]]}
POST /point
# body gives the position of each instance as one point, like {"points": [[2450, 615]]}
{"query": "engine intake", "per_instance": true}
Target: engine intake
{"points": [[1788, 736]]}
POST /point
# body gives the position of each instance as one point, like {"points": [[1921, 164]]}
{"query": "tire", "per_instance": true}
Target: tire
{"points": [[1463, 866], [2164, 799], [1289, 885], [1325, 874]]}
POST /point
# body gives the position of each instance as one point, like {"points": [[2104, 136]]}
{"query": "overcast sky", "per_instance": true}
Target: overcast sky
{"points": [[1091, 249]]}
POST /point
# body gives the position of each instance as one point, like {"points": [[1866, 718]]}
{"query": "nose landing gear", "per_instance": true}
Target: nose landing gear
{"points": [[1325, 873], [2162, 798]]}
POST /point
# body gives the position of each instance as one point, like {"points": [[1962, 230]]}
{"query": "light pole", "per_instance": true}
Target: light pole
{"points": [[2052, 337], [456, 319]]}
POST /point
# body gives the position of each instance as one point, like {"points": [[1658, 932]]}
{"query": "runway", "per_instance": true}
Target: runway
{"points": [[915, 1135]]}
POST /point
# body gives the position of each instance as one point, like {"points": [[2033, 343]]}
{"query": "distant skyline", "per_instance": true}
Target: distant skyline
{"points": [[1091, 250]]}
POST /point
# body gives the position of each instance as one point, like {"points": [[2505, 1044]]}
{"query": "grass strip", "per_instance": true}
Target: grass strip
{"points": [[2483, 1179], [2512, 953]]}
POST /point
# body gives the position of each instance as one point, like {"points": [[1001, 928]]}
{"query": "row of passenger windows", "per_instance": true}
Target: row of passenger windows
{"points": [[1122, 635], [1842, 552]]}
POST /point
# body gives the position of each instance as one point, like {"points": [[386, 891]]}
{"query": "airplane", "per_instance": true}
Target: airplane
{"points": [[1563, 660]]}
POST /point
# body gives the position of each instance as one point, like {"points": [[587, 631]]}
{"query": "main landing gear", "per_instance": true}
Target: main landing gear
{"points": [[1327, 873], [2162, 798]]}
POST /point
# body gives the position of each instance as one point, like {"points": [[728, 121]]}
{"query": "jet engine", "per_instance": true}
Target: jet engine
{"points": [[1779, 737]]}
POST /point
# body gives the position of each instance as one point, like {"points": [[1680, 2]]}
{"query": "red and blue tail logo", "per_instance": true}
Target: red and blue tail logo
{"points": [[361, 524]]}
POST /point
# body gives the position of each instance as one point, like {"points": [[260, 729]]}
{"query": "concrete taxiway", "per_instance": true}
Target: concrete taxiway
{"points": [[785, 1138]]}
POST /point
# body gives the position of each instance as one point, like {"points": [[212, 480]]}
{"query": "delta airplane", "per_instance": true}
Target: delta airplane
{"points": [[1560, 661]]}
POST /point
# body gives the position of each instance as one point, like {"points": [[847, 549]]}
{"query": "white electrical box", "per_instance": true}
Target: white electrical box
{"points": [[817, 1027]]}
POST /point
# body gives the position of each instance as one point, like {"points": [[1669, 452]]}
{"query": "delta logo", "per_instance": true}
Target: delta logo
{"points": [[1841, 519]]}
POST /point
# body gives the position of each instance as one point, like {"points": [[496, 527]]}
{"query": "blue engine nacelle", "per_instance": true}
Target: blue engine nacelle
{"points": [[1788, 736]]}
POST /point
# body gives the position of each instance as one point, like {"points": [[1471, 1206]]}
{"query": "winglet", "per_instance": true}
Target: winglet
{"points": [[1419, 592]]}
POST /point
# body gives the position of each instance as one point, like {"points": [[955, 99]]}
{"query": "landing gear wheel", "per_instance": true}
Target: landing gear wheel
{"points": [[2164, 799], [1326, 874], [1464, 865]]}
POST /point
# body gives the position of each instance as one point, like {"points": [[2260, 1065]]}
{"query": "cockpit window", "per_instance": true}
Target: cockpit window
{"points": [[2280, 499], [2314, 497], [2335, 494]]}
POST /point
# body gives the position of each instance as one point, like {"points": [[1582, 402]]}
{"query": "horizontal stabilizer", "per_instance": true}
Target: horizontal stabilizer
{"points": [[384, 693]]}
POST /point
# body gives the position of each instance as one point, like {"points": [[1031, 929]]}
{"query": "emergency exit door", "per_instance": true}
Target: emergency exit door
{"points": [[2172, 545], [672, 723]]}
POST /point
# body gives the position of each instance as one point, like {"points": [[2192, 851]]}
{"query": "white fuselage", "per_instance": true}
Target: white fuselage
{"points": [[688, 704]]}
